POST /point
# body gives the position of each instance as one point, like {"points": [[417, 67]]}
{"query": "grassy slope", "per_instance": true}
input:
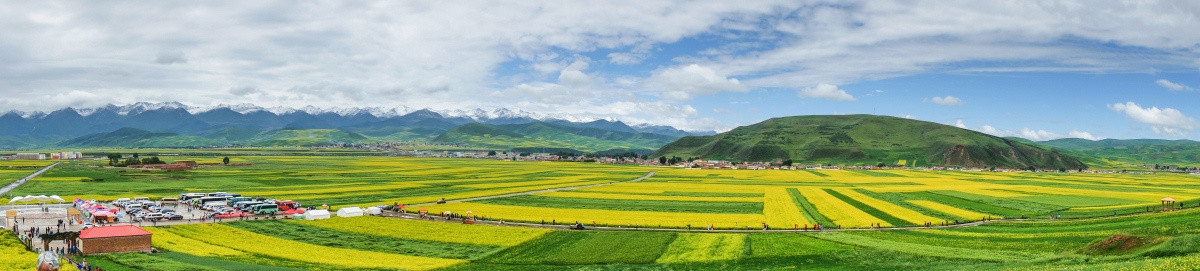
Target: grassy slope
{"points": [[539, 134], [1133, 151], [865, 139]]}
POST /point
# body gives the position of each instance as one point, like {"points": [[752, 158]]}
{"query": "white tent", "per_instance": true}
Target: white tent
{"points": [[56, 197], [350, 211], [374, 210], [316, 214], [16, 199]]}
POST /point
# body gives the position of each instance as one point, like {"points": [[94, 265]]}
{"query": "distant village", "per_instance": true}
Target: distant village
{"points": [[778, 164], [43, 156]]}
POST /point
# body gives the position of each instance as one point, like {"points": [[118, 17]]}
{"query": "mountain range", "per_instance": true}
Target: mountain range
{"points": [[177, 125], [838, 139]]}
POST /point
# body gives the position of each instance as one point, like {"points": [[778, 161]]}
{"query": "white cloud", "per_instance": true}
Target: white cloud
{"points": [[625, 58], [1165, 121], [948, 100], [1172, 85], [960, 124], [826, 91], [988, 129], [1036, 135], [680, 83], [1084, 135]]}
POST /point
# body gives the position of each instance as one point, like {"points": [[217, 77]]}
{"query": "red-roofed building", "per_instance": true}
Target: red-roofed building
{"points": [[113, 239]]}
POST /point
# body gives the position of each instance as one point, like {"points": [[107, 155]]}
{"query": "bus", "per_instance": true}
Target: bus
{"points": [[264, 209], [190, 196], [202, 201]]}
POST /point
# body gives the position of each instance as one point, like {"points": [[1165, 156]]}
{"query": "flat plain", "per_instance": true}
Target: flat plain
{"points": [[1099, 220]]}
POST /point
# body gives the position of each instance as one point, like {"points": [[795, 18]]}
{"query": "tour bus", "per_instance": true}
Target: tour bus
{"points": [[235, 200], [170, 201], [245, 205], [204, 200], [190, 196], [264, 209]]}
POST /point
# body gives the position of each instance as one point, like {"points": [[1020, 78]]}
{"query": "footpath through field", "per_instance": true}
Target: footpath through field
{"points": [[14, 185], [648, 175]]}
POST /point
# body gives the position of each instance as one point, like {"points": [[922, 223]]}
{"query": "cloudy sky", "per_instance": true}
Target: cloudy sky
{"points": [[1091, 69]]}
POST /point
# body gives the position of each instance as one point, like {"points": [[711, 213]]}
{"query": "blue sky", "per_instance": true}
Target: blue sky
{"points": [[1039, 70]]}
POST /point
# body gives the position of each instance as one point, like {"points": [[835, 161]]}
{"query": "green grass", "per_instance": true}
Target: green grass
{"points": [[763, 245], [571, 248]]}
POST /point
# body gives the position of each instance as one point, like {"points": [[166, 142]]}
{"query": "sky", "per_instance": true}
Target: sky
{"points": [[1034, 69]]}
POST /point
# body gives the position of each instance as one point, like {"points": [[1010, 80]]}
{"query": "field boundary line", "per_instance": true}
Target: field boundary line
{"points": [[638, 179], [10, 187]]}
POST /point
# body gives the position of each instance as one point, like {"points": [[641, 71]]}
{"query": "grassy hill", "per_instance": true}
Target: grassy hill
{"points": [[305, 137], [1132, 152], [137, 138], [548, 135], [866, 139]]}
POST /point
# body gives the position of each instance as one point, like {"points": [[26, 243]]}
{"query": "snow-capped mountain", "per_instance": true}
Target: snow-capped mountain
{"points": [[398, 123]]}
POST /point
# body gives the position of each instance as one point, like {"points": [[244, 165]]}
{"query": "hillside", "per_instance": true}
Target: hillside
{"points": [[549, 135], [239, 124], [305, 137], [866, 139], [1133, 151], [137, 138]]}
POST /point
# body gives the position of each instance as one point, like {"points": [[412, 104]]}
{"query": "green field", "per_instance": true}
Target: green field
{"points": [[672, 198], [1166, 241]]}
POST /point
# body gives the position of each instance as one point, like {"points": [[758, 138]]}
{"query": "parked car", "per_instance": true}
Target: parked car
{"points": [[153, 216], [172, 216]]}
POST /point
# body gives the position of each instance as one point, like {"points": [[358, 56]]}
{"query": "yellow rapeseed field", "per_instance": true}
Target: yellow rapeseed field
{"points": [[781, 211], [432, 231], [889, 208], [298, 251], [704, 247], [951, 210], [165, 239], [610, 217], [838, 211]]}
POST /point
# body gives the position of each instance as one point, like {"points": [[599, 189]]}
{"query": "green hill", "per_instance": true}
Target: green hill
{"points": [[137, 138], [305, 137], [866, 139], [1132, 152], [548, 135]]}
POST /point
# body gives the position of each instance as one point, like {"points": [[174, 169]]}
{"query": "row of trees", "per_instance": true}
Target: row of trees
{"points": [[114, 159]]}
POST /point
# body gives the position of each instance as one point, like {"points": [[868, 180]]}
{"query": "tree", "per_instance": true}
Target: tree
{"points": [[881, 164], [113, 159], [491, 153], [225, 160], [788, 162], [662, 160]]}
